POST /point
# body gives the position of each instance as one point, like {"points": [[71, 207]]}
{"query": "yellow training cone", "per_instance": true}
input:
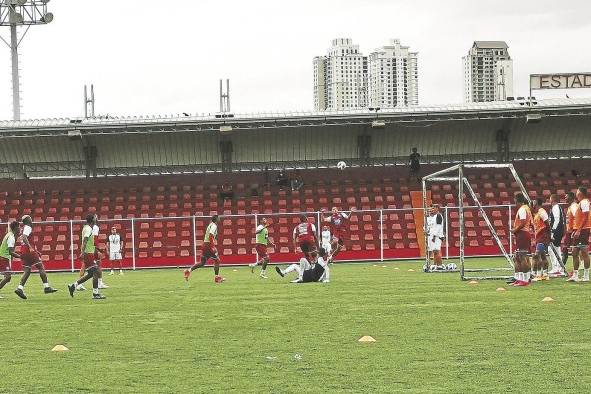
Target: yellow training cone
{"points": [[384, 266], [366, 338], [235, 270], [411, 270], [548, 299], [473, 282], [501, 289], [396, 268], [59, 348]]}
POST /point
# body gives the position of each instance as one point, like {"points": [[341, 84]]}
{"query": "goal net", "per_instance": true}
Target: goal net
{"points": [[494, 227]]}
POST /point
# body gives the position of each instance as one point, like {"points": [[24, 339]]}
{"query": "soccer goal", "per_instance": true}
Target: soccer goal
{"points": [[456, 175]]}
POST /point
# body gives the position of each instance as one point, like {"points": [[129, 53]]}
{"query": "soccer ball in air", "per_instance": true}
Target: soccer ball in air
{"points": [[341, 165]]}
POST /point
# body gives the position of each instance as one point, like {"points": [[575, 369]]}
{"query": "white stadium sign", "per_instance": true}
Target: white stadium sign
{"points": [[560, 81]]}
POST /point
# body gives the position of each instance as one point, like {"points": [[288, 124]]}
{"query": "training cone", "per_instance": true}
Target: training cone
{"points": [[548, 299], [501, 289], [411, 270], [366, 338], [59, 348], [473, 282], [396, 268], [234, 270], [384, 266]]}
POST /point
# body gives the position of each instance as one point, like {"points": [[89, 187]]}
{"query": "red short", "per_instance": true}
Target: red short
{"points": [[583, 239], [209, 251], [307, 245], [88, 260], [523, 242], [567, 240], [4, 265], [30, 259], [543, 238], [262, 251]]}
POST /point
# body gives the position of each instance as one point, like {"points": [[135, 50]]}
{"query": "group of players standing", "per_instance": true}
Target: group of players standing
{"points": [[557, 235], [30, 257], [313, 266]]}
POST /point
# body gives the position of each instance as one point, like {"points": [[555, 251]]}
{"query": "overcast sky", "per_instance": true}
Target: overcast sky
{"points": [[164, 57]]}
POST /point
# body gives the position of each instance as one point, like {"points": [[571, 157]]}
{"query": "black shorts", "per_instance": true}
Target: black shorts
{"points": [[557, 237], [313, 274]]}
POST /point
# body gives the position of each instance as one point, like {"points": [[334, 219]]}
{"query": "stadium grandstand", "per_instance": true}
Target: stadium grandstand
{"points": [[158, 179]]}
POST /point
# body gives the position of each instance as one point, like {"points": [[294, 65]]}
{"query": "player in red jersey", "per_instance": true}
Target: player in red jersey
{"points": [[31, 258], [337, 221], [581, 230], [542, 240], [521, 230], [209, 252], [304, 236]]}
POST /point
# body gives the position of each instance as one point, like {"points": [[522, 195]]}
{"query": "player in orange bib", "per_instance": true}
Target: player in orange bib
{"points": [[567, 241], [521, 230], [581, 229], [542, 240]]}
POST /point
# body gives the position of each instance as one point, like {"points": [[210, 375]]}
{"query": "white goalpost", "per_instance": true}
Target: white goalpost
{"points": [[456, 175]]}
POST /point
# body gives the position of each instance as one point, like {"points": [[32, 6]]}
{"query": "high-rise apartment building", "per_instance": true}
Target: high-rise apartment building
{"points": [[488, 72]]}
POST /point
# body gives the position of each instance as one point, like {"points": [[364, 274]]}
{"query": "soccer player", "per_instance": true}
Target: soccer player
{"points": [[567, 243], [87, 255], [326, 239], [262, 240], [97, 259], [114, 250], [315, 271], [556, 234], [337, 221], [30, 258], [435, 234], [7, 252], [542, 240], [209, 251], [581, 229], [521, 230], [304, 236]]}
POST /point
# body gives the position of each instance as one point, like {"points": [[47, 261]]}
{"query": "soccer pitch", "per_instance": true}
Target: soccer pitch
{"points": [[434, 333]]}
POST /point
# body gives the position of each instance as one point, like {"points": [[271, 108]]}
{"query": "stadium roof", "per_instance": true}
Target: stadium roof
{"points": [[212, 122]]}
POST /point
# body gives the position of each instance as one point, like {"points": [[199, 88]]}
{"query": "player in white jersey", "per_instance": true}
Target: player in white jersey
{"points": [[435, 233], [115, 250], [307, 272], [326, 239]]}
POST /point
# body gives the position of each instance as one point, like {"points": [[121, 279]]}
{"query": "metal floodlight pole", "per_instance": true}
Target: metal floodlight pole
{"points": [[15, 13]]}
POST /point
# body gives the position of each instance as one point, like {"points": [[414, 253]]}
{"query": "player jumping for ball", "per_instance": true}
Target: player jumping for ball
{"points": [[337, 221], [7, 252], [209, 251], [521, 230], [87, 255], [31, 258], [304, 236], [262, 240]]}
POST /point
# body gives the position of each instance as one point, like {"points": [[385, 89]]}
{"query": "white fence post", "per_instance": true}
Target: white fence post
{"points": [[72, 244], [381, 235], [510, 234], [194, 240], [256, 223], [133, 242], [446, 235]]}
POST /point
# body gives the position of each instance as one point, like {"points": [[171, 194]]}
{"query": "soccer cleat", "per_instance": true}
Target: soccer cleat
{"points": [[263, 276], [537, 278], [98, 296], [280, 272], [71, 289], [49, 290], [545, 277], [326, 281], [511, 281], [103, 286], [298, 280], [20, 293], [80, 288], [521, 283], [111, 273], [252, 266], [573, 278], [584, 279], [219, 279], [187, 273]]}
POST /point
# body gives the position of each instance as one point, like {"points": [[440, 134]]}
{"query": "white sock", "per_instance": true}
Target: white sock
{"points": [[516, 275], [95, 291], [586, 273], [291, 268], [100, 281], [20, 287], [263, 272], [45, 285]]}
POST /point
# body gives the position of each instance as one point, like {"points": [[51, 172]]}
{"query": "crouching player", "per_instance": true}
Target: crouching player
{"points": [[542, 241], [7, 252], [317, 271]]}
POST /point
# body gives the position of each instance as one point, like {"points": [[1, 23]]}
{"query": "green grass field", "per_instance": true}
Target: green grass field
{"points": [[434, 334]]}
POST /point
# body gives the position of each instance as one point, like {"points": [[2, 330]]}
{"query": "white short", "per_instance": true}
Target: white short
{"points": [[115, 256], [327, 248], [434, 246]]}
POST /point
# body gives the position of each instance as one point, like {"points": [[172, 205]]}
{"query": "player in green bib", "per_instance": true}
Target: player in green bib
{"points": [[262, 241], [209, 251], [87, 255], [7, 252]]}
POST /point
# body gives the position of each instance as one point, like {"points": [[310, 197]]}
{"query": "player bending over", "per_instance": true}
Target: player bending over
{"points": [[521, 230], [317, 271], [435, 234], [7, 252], [542, 241], [209, 251], [337, 221], [87, 255], [31, 258], [304, 236], [581, 229], [556, 235], [114, 250], [262, 240]]}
